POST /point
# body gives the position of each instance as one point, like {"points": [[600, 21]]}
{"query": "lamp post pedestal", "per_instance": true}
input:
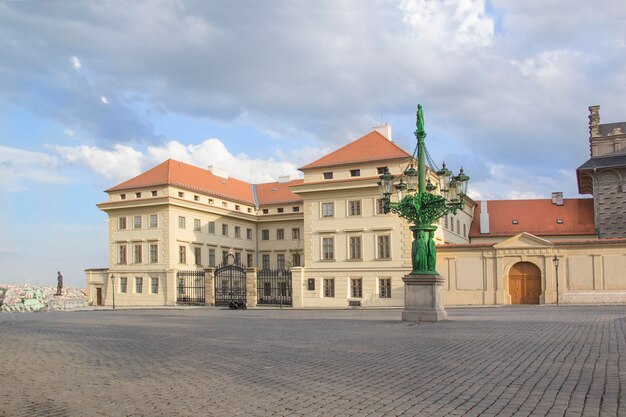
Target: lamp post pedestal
{"points": [[423, 298]]}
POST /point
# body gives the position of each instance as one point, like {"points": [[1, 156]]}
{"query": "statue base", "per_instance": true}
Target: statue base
{"points": [[423, 298]]}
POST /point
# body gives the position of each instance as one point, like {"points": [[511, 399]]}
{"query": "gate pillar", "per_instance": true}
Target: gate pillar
{"points": [[251, 292], [170, 287], [209, 287], [297, 285]]}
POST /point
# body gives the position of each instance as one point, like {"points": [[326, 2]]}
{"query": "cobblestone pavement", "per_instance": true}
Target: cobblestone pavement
{"points": [[540, 360]]}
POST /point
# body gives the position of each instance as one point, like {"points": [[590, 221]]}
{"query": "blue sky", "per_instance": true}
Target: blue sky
{"points": [[93, 93]]}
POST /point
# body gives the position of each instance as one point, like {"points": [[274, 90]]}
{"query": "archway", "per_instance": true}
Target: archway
{"points": [[524, 283]]}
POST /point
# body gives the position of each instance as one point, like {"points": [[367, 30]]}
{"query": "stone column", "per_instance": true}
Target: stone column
{"points": [[251, 292], [297, 287], [209, 286], [170, 287], [423, 298]]}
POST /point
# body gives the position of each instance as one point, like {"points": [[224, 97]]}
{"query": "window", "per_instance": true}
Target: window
{"points": [[384, 287], [558, 221], [123, 285], [328, 210], [249, 210], [181, 222], [311, 284], [280, 234], [154, 285], [250, 264], [137, 195], [295, 209], [224, 230], [121, 223], [196, 198], [445, 222], [224, 256], [181, 194], [295, 259], [354, 208], [295, 233], [380, 206], [354, 247], [249, 234], [138, 285], [224, 204], [122, 257], [237, 207], [154, 253], [328, 175], [329, 287], [458, 227], [381, 170], [328, 250], [238, 258], [196, 225], [211, 257], [153, 220], [280, 261], [265, 234], [451, 224], [211, 201], [197, 255], [464, 230], [154, 193], [266, 262], [122, 196], [237, 231], [280, 210], [356, 287], [355, 172], [137, 254], [182, 254], [137, 222], [384, 246], [265, 211], [211, 227]]}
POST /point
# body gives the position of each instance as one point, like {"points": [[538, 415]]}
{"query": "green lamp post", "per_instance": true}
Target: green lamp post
{"points": [[419, 203]]}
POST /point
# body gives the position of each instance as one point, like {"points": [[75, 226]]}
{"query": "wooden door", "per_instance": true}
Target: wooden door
{"points": [[524, 283], [99, 296]]}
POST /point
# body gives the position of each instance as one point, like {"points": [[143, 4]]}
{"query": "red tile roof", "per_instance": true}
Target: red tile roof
{"points": [[177, 173], [277, 193], [371, 147], [538, 217]]}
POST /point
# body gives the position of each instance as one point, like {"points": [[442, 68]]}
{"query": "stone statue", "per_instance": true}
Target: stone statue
{"points": [[420, 119], [422, 251], [59, 283], [432, 251]]}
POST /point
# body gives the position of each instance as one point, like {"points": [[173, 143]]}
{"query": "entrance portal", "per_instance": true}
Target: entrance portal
{"points": [[524, 283], [99, 296]]}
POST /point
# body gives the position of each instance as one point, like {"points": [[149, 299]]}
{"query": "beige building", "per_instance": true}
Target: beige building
{"points": [[324, 240]]}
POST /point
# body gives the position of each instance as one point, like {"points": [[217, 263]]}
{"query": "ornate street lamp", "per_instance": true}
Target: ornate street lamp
{"points": [[113, 289], [556, 267], [419, 203]]}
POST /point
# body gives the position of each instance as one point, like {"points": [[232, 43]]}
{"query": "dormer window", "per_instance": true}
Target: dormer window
{"points": [[559, 221], [355, 172], [514, 221], [328, 175]]}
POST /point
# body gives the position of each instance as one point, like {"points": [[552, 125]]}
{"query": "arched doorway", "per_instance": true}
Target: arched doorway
{"points": [[524, 283]]}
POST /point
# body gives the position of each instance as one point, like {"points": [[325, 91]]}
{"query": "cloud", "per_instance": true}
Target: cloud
{"points": [[104, 100], [19, 167], [76, 63]]}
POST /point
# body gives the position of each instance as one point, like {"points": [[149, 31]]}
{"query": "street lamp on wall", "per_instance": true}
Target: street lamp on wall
{"points": [[113, 289]]}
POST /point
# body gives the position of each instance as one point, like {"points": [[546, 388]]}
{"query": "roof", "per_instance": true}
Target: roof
{"points": [[277, 192], [604, 162], [371, 147], [177, 173], [538, 217], [606, 129]]}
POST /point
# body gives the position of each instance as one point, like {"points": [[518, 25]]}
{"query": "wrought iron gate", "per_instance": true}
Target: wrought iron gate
{"points": [[230, 283], [274, 287], [190, 288]]}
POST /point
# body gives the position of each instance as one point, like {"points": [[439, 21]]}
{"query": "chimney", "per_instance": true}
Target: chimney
{"points": [[557, 198], [284, 179], [594, 121], [218, 172], [384, 129], [484, 218]]}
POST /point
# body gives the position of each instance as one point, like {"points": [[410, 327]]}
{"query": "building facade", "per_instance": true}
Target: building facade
{"points": [[328, 232]]}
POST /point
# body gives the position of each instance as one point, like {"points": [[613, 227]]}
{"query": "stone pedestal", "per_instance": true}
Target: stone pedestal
{"points": [[423, 298]]}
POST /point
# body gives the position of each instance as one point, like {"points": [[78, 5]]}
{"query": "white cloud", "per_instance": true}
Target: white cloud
{"points": [[104, 100], [69, 133], [18, 167], [76, 63]]}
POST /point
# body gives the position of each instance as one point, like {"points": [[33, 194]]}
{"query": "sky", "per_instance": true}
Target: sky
{"points": [[94, 92]]}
